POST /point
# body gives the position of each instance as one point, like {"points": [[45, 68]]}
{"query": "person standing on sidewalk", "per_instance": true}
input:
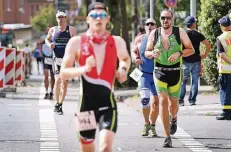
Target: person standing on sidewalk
{"points": [[57, 38], [224, 65], [167, 43], [47, 65], [27, 51], [38, 56], [146, 83], [96, 53], [192, 64]]}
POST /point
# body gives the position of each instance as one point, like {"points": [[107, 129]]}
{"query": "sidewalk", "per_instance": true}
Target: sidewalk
{"points": [[124, 93], [207, 104]]}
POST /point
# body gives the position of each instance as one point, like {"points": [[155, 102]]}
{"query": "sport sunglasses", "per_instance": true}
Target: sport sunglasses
{"points": [[102, 15]]}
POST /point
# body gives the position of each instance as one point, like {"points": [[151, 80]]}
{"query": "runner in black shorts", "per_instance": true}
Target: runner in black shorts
{"points": [[57, 39], [47, 65], [165, 45], [96, 53]]}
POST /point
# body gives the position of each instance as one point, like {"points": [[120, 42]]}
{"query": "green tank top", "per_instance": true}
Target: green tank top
{"points": [[175, 46]]}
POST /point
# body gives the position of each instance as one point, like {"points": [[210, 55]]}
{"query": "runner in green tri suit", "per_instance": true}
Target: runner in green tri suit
{"points": [[167, 42]]}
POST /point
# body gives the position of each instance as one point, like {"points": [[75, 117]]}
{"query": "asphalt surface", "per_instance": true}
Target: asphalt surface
{"points": [[28, 124]]}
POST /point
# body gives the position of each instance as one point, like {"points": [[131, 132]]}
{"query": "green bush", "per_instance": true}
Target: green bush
{"points": [[211, 11], [45, 16]]}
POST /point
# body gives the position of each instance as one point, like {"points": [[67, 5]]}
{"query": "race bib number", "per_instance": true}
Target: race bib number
{"points": [[48, 61], [86, 121], [136, 74], [58, 61], [46, 50]]}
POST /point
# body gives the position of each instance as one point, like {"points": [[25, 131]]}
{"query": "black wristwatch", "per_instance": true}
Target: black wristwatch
{"points": [[181, 53]]}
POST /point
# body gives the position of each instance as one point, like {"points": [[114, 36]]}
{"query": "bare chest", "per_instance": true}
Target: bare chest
{"points": [[100, 52], [165, 42]]}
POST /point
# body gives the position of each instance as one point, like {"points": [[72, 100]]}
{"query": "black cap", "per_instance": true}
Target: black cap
{"points": [[97, 5], [224, 21]]}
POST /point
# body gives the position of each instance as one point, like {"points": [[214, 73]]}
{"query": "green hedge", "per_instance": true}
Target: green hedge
{"points": [[211, 11]]}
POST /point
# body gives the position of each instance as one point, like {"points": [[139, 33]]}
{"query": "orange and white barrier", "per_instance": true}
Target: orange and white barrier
{"points": [[2, 67], [19, 74], [10, 67]]}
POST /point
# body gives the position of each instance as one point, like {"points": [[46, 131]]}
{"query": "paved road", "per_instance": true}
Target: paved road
{"points": [[28, 124]]}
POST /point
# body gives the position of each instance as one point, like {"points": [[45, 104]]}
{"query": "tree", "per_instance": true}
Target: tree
{"points": [[211, 11], [46, 16]]}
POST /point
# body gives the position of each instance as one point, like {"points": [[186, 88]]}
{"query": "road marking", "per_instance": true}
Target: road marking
{"points": [[20, 108], [19, 104], [209, 106], [49, 136], [187, 140]]}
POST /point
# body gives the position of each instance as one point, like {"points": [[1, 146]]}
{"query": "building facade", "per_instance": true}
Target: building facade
{"points": [[20, 11]]}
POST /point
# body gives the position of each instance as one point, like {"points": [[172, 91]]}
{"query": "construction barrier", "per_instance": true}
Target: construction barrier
{"points": [[2, 67], [10, 69], [19, 68]]}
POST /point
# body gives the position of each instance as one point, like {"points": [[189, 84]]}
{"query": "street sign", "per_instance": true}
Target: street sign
{"points": [[170, 3]]}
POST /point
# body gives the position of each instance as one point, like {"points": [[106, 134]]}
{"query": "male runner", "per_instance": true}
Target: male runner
{"points": [[47, 65], [146, 83], [167, 44], [57, 38], [96, 52]]}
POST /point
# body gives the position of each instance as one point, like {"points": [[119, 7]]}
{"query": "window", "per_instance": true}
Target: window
{"points": [[8, 5], [21, 6]]}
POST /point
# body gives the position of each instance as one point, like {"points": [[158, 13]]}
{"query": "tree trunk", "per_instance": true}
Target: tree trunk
{"points": [[88, 2], [114, 10], [125, 35]]}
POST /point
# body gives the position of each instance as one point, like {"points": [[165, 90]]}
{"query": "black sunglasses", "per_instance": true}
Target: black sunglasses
{"points": [[165, 17], [152, 24]]}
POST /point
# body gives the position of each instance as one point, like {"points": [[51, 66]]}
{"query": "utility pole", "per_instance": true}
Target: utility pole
{"points": [[1, 27], [152, 8], [193, 8]]}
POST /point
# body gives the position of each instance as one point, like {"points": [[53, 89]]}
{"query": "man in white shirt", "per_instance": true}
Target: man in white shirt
{"points": [[27, 51]]}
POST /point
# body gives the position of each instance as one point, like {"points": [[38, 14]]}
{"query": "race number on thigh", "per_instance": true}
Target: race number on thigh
{"points": [[58, 61], [86, 121], [48, 61]]}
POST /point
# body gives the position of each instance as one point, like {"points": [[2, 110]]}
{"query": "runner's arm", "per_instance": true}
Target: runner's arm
{"points": [[71, 54], [135, 49], [122, 53], [188, 47], [49, 37], [73, 31], [150, 45]]}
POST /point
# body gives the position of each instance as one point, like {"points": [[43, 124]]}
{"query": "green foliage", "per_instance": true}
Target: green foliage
{"points": [[211, 11], [46, 16]]}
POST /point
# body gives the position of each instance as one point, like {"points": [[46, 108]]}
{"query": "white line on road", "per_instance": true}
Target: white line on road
{"points": [[20, 105], [49, 136], [188, 141]]}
